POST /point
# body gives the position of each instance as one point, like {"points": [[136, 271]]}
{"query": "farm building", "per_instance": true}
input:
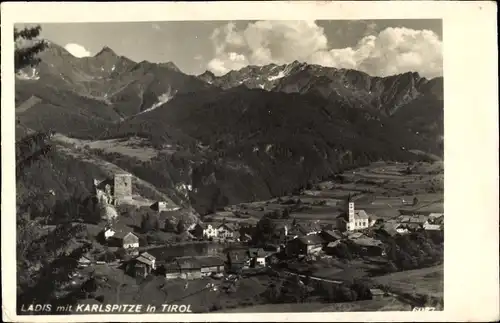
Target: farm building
{"points": [[193, 267], [189, 268], [369, 246], [143, 265], [306, 245], [237, 259], [331, 235], [210, 265], [120, 235]]}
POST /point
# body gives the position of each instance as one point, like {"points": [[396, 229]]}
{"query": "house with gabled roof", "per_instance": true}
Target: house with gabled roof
{"points": [[305, 245], [331, 235], [227, 231], [144, 264]]}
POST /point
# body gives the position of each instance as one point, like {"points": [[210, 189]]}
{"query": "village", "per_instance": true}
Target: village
{"points": [[234, 243]]}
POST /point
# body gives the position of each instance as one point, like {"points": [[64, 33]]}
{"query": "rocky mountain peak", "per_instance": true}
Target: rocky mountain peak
{"points": [[170, 65], [105, 51]]}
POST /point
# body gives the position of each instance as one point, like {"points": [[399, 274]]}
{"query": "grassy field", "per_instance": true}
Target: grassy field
{"points": [[425, 281], [133, 147], [378, 189], [386, 304]]}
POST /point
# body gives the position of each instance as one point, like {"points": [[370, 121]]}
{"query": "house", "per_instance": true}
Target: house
{"points": [[210, 265], [331, 235], [353, 219], [436, 218], [159, 206], [237, 259], [308, 228], [126, 240], [84, 261], [330, 247], [144, 264], [433, 227], [120, 235], [189, 267], [370, 246], [210, 231], [226, 231], [435, 215], [108, 232], [420, 219], [172, 270], [391, 228], [257, 257], [377, 293], [404, 219], [306, 245]]}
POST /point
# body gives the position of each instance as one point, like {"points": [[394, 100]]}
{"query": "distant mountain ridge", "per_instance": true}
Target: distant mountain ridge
{"points": [[383, 93]]}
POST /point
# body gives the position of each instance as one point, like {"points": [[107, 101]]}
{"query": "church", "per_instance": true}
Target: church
{"points": [[353, 219]]}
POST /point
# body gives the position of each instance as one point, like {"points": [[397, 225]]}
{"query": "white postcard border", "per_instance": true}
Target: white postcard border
{"points": [[471, 141]]}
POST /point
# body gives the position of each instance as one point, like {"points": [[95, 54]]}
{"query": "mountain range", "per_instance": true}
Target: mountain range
{"points": [[253, 133]]}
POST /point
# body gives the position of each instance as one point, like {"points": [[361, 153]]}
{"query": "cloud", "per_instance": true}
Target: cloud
{"points": [[391, 51], [77, 50]]}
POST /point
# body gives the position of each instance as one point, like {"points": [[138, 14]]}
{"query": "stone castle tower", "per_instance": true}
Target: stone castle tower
{"points": [[122, 188]]}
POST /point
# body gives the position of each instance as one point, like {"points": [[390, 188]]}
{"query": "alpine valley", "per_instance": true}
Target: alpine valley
{"points": [[204, 142]]}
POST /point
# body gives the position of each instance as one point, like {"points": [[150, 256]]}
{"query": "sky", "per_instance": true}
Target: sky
{"points": [[377, 47]]}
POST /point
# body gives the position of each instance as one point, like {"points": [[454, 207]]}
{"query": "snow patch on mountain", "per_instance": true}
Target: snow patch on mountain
{"points": [[31, 74], [281, 74], [162, 99]]}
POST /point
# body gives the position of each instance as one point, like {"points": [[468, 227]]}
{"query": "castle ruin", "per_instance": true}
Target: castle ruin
{"points": [[122, 188], [114, 191]]}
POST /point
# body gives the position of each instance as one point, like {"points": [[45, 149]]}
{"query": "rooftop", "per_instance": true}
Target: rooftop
{"points": [[148, 256], [144, 260], [229, 226], [259, 252], [368, 242], [376, 291], [311, 239], [361, 214], [331, 233], [209, 261]]}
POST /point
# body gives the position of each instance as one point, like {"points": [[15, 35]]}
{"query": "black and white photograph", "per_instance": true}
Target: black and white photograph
{"points": [[229, 166]]}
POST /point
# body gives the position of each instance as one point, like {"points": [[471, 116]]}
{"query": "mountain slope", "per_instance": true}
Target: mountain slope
{"points": [[269, 143], [250, 134], [116, 81]]}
